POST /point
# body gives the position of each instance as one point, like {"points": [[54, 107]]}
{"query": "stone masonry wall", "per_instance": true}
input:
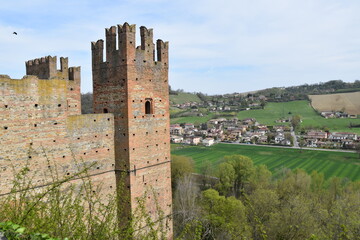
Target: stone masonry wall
{"points": [[39, 129]]}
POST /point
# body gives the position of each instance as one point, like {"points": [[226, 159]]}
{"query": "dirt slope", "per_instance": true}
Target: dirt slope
{"points": [[350, 102]]}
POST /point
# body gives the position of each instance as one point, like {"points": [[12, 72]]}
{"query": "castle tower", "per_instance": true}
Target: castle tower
{"points": [[132, 83]]}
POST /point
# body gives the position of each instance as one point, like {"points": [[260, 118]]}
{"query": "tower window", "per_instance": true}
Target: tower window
{"points": [[148, 106], [105, 110]]}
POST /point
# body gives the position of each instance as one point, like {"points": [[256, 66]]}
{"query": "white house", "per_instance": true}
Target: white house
{"points": [[176, 139], [208, 142], [189, 126], [279, 138], [175, 129]]}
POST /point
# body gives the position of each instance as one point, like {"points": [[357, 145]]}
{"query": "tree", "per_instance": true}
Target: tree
{"points": [[295, 182], [295, 121], [180, 166], [261, 204], [293, 220], [317, 181], [302, 143], [225, 217], [186, 210], [261, 177], [207, 172], [262, 104], [202, 96], [244, 169], [289, 137], [226, 175]]}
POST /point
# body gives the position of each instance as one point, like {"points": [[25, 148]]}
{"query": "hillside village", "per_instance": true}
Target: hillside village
{"points": [[227, 127], [230, 130], [250, 131]]}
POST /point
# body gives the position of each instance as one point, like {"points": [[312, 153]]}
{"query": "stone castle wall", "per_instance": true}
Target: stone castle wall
{"points": [[126, 141], [40, 128]]}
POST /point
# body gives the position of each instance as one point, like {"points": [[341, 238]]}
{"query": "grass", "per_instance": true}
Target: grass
{"points": [[274, 111], [184, 98], [340, 164], [195, 120], [309, 116]]}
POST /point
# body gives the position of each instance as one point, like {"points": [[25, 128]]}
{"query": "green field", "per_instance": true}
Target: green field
{"points": [[341, 164], [274, 111], [194, 120], [183, 97]]}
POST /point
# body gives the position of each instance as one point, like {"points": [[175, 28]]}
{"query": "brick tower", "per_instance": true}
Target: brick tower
{"points": [[132, 83]]}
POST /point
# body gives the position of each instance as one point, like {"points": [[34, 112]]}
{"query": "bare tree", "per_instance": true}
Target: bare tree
{"points": [[186, 210]]}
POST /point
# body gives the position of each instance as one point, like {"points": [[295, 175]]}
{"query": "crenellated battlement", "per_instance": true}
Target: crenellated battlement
{"points": [[41, 61], [126, 28], [162, 51], [46, 68], [147, 36], [74, 73], [127, 52]]}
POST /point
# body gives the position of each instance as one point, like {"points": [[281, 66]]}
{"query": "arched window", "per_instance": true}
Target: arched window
{"points": [[148, 107], [105, 110]]}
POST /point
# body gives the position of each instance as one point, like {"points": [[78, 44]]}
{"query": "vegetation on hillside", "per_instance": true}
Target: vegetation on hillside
{"points": [[248, 202], [73, 207], [301, 92], [183, 97]]}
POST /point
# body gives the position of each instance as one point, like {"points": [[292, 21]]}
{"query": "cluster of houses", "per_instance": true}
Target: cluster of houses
{"points": [[332, 114], [251, 132], [230, 130], [322, 139], [187, 105]]}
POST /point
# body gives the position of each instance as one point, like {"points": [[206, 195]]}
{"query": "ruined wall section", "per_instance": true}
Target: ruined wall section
{"points": [[123, 84], [38, 131]]}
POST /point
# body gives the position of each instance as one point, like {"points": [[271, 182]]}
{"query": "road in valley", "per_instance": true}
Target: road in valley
{"points": [[296, 144]]}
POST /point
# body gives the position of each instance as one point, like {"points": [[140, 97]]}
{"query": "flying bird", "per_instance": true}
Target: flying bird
{"points": [[15, 33]]}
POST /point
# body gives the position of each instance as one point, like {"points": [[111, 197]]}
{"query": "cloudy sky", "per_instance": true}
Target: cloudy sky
{"points": [[215, 46]]}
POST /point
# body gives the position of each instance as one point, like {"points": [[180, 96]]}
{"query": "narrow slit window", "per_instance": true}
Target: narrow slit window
{"points": [[148, 106]]}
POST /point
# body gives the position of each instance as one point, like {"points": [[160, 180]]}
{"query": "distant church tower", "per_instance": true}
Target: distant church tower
{"points": [[132, 83]]}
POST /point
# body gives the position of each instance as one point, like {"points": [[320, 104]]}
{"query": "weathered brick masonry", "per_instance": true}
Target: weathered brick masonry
{"points": [[41, 126], [40, 120], [133, 85]]}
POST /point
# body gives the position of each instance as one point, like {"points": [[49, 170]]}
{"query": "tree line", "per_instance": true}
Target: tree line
{"points": [[249, 202]]}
